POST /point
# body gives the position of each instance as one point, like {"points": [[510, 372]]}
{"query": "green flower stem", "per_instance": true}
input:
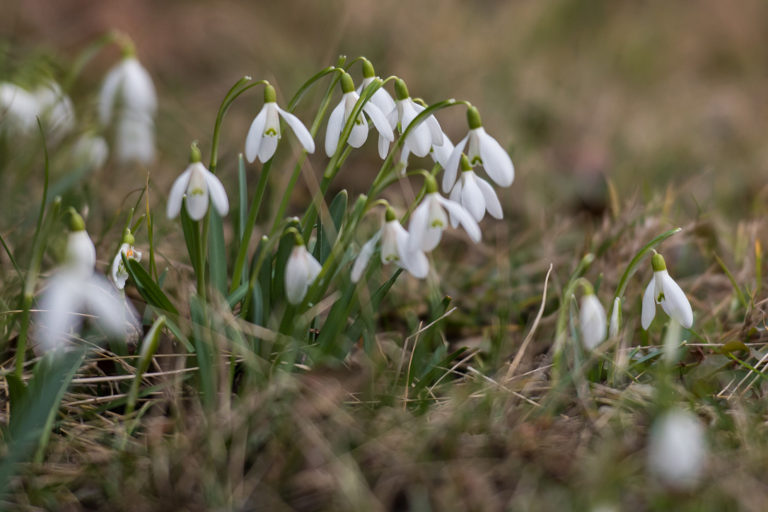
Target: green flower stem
{"points": [[85, 56]]}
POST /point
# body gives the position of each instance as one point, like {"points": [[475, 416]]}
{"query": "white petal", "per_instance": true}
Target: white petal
{"points": [[452, 166], [677, 449], [314, 267], [455, 196], [675, 302], [419, 139], [176, 196], [416, 263], [359, 133], [135, 138], [361, 262], [615, 317], [296, 275], [496, 160], [434, 130], [649, 305], [81, 253], [465, 218], [404, 154], [108, 93], [417, 226], [472, 197], [386, 104], [379, 121], [255, 132], [592, 321], [58, 310], [335, 125], [301, 132], [138, 91], [383, 147], [268, 147], [492, 203], [112, 312], [197, 192], [217, 192], [442, 152]]}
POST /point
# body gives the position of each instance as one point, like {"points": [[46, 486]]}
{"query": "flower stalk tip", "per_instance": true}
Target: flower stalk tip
{"points": [[76, 222], [347, 84], [194, 153], [368, 71], [270, 96], [401, 90], [473, 118]]}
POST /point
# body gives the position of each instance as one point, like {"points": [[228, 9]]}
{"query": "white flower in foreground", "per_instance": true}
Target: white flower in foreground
{"points": [[264, 132], [196, 184], [90, 151], [340, 115], [662, 289], [128, 95], [300, 271], [591, 320], [677, 449], [394, 249], [119, 273], [423, 136], [75, 292], [483, 150], [56, 110], [429, 220], [382, 100], [475, 194], [18, 108]]}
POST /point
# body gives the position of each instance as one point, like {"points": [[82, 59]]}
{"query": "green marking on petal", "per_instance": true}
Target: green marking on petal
{"points": [[437, 224], [196, 192], [270, 132]]}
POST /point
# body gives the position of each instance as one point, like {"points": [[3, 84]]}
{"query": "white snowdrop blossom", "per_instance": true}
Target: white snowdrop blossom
{"points": [[90, 151], [422, 137], [264, 132], [475, 194], [119, 273], [441, 153], [300, 271], [75, 291], [663, 290], [484, 150], [18, 108], [383, 101], [677, 449], [128, 94], [341, 113], [197, 184], [56, 110], [429, 220], [394, 249], [592, 321]]}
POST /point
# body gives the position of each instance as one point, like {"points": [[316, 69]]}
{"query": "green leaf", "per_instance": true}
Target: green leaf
{"points": [[147, 287], [326, 235], [217, 255]]}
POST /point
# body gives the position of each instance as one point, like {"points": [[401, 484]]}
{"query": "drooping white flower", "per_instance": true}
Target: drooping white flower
{"points": [[300, 271], [663, 290], [90, 152], [264, 132], [429, 220], [484, 150], [394, 249], [441, 153], [677, 449], [340, 115], [18, 108], [128, 95], [382, 100], [56, 110], [475, 194], [423, 136], [592, 321], [119, 273], [75, 291], [196, 184]]}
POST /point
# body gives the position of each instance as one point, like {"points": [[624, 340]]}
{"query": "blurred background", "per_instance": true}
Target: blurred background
{"points": [[644, 93]]}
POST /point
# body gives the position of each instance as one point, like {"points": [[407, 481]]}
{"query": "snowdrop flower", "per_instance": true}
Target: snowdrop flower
{"points": [[264, 132], [56, 109], [591, 319], [90, 152], [484, 150], [422, 137], [128, 91], [196, 184], [17, 107], [429, 220], [442, 152], [663, 290], [677, 449], [300, 271], [475, 194], [74, 290], [613, 329], [119, 273], [340, 115], [394, 249], [382, 100]]}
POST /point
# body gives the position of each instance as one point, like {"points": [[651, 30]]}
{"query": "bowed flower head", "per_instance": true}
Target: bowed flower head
{"points": [[663, 290], [119, 273], [677, 449], [300, 271], [422, 137], [592, 319], [341, 113], [475, 194], [382, 100], [483, 150], [429, 220], [196, 184], [264, 132]]}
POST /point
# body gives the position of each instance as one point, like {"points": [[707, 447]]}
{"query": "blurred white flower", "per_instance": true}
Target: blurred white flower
{"points": [[90, 152], [677, 449], [119, 273], [422, 137], [197, 183], [74, 292], [483, 150], [18, 108], [429, 220], [662, 289], [56, 111], [592, 321], [300, 271], [340, 115], [394, 249], [129, 94], [475, 194], [264, 132]]}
